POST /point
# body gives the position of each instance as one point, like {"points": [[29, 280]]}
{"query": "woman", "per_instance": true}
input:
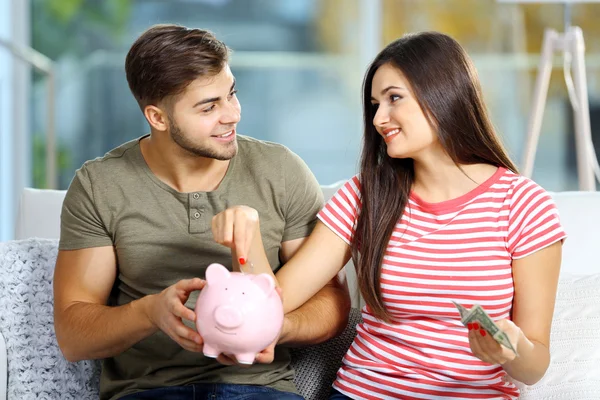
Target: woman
{"points": [[437, 214]]}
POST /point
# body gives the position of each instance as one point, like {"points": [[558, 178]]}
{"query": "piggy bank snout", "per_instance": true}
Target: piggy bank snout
{"points": [[228, 317]]}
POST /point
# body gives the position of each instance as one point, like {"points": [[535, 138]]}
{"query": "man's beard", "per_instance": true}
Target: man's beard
{"points": [[227, 152]]}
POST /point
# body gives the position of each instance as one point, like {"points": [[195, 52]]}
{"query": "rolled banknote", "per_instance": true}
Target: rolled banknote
{"points": [[478, 314]]}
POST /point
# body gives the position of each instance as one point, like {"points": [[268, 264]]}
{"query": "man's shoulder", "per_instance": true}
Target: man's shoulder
{"points": [[262, 149], [113, 161], [265, 154]]}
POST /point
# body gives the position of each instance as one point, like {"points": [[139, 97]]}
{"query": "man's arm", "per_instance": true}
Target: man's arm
{"points": [[86, 328], [323, 316]]}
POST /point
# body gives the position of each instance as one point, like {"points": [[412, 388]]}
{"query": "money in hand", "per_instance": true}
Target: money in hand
{"points": [[478, 314]]}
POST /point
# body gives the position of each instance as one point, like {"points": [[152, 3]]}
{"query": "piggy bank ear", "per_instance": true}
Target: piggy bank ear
{"points": [[216, 272], [264, 282]]}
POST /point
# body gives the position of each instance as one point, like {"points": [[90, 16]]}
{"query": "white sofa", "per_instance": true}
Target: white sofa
{"points": [[575, 368]]}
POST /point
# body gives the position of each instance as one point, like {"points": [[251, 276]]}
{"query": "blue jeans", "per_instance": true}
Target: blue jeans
{"points": [[213, 391], [335, 395]]}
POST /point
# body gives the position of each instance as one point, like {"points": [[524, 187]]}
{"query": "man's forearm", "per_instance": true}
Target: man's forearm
{"points": [[322, 317], [94, 331]]}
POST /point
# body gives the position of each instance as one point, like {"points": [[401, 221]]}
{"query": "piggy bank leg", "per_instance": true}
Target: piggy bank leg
{"points": [[245, 358], [210, 351]]}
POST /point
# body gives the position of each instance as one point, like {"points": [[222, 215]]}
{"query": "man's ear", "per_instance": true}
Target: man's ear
{"points": [[156, 117]]}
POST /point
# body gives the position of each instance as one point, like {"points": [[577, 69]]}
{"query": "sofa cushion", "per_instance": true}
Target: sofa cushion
{"points": [[39, 214], [580, 215], [36, 367], [574, 371]]}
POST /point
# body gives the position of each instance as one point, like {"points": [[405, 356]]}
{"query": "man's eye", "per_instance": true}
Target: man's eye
{"points": [[232, 93], [209, 109]]}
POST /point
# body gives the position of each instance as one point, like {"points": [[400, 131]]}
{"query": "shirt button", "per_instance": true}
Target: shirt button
{"points": [[196, 196], [196, 215]]}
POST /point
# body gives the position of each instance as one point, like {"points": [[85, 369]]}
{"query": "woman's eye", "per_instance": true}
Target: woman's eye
{"points": [[394, 97]]}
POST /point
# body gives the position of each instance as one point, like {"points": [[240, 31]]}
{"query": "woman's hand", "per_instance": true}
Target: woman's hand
{"points": [[236, 228], [487, 349]]}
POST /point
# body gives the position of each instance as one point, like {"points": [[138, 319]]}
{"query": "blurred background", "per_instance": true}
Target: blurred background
{"points": [[299, 67]]}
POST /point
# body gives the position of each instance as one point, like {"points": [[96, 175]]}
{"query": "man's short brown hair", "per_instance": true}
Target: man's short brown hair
{"points": [[165, 59]]}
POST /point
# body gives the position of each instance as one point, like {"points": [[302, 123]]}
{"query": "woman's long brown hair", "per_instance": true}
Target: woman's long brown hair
{"points": [[446, 86]]}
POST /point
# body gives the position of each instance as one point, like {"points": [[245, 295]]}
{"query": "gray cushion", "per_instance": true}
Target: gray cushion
{"points": [[317, 366]]}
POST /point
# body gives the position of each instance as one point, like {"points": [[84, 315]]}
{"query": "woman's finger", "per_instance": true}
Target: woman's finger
{"points": [[228, 222], [476, 347], [240, 238], [216, 226]]}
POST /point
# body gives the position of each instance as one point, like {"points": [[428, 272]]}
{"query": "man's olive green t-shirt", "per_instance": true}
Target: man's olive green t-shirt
{"points": [[161, 236]]}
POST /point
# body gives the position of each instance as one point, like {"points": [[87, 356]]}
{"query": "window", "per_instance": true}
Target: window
{"points": [[299, 66]]}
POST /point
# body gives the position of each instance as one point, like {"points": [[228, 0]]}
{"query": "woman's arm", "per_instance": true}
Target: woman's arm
{"points": [[312, 267], [323, 316], [536, 280]]}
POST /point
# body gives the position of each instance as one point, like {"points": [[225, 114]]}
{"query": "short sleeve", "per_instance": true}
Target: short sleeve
{"points": [[80, 223], [533, 221], [303, 198], [341, 211]]}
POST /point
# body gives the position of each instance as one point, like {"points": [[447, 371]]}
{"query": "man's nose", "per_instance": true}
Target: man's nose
{"points": [[232, 114]]}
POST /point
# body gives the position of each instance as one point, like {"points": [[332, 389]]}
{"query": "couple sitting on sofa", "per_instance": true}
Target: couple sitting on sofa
{"points": [[437, 214]]}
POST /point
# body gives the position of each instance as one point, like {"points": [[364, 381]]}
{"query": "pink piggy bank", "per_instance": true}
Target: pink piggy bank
{"points": [[239, 314]]}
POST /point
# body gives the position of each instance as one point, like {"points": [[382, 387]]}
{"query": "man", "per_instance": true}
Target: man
{"points": [[136, 233]]}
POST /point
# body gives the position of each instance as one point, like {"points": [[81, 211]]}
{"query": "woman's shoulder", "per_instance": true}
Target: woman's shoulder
{"points": [[344, 192], [525, 196], [520, 185]]}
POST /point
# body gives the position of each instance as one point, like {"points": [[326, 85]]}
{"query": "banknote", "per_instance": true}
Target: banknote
{"points": [[478, 314], [462, 310]]}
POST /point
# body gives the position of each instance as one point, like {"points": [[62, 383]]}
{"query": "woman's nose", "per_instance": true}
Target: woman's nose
{"points": [[381, 118]]}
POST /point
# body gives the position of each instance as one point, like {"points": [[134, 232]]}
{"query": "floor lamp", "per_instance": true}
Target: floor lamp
{"points": [[572, 46]]}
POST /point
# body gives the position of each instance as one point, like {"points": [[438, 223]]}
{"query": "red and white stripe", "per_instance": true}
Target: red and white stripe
{"points": [[459, 250]]}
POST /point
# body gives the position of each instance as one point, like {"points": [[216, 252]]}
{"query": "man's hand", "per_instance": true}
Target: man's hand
{"points": [[236, 228], [264, 357], [167, 308]]}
